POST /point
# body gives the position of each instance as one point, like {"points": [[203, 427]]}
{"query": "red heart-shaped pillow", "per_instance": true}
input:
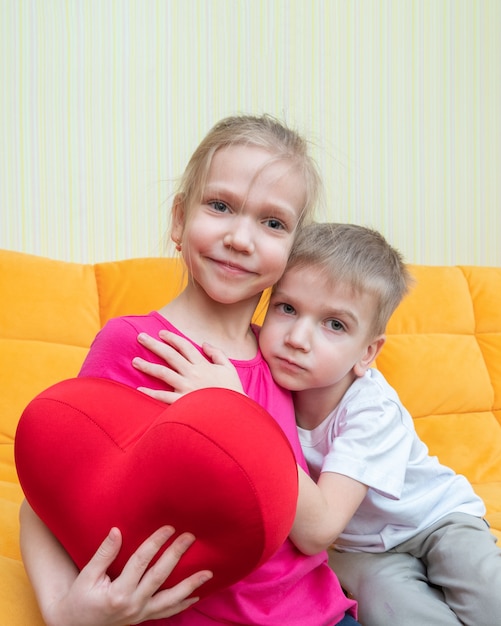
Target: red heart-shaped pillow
{"points": [[92, 454]]}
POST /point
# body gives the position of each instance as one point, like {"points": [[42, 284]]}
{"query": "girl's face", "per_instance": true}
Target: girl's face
{"points": [[237, 239]]}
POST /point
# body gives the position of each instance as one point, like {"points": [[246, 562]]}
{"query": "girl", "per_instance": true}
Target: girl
{"points": [[246, 190]]}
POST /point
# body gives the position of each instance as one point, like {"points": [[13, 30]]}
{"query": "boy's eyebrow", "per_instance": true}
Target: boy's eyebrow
{"points": [[343, 313], [279, 293], [327, 312]]}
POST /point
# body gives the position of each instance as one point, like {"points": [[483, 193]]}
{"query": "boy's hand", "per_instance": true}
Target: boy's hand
{"points": [[93, 599], [186, 369]]}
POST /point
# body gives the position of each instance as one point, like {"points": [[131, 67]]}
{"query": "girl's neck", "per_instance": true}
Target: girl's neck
{"points": [[225, 326]]}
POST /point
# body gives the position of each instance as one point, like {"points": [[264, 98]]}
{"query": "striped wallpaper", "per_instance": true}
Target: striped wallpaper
{"points": [[103, 101]]}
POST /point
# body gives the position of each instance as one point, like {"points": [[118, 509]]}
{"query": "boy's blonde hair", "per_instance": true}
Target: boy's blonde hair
{"points": [[260, 131], [359, 257]]}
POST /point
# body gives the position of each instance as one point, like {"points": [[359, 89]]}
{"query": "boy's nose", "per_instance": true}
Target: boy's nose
{"points": [[298, 337]]}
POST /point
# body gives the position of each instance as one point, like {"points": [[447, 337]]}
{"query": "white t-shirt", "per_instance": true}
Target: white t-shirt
{"points": [[370, 437]]}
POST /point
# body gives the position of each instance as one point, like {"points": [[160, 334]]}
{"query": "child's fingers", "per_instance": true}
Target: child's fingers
{"points": [[163, 372], [162, 349], [216, 355], [132, 597], [167, 397], [104, 556], [178, 353], [161, 570], [138, 563], [182, 346], [178, 598]]}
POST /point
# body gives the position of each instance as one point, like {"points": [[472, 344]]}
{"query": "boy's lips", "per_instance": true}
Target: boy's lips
{"points": [[288, 365]]}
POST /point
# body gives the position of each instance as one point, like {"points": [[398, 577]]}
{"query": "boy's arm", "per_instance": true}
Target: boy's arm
{"points": [[324, 509], [185, 369], [90, 598]]}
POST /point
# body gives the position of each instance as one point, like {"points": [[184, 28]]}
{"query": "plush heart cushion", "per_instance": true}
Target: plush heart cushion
{"points": [[92, 454]]}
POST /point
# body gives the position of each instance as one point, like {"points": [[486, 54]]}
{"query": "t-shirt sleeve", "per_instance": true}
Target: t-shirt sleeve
{"points": [[111, 353], [371, 443]]}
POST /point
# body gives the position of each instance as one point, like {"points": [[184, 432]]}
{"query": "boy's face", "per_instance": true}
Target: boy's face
{"points": [[317, 333]]}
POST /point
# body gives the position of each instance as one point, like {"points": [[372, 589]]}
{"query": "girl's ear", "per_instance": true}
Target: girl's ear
{"points": [[369, 356], [178, 219]]}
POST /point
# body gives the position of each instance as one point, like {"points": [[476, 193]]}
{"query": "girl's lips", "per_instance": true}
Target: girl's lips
{"points": [[232, 267]]}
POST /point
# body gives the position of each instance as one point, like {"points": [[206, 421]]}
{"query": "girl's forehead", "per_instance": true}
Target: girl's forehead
{"points": [[247, 158], [248, 171]]}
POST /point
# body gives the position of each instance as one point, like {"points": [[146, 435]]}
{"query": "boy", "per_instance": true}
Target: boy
{"points": [[409, 540]]}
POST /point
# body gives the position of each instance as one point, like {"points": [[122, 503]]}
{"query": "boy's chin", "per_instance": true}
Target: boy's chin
{"points": [[288, 381]]}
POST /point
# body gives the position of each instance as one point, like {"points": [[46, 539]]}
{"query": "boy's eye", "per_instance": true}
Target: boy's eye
{"points": [[274, 224], [288, 309], [335, 325], [218, 206]]}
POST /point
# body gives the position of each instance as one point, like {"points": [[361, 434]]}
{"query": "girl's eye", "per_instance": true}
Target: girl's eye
{"points": [[218, 206], [274, 224], [335, 325]]}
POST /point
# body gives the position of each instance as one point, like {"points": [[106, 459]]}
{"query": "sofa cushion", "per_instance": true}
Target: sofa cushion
{"points": [[137, 285], [443, 356], [49, 316], [18, 605]]}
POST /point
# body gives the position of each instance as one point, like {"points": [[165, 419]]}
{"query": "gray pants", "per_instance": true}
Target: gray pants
{"points": [[448, 574]]}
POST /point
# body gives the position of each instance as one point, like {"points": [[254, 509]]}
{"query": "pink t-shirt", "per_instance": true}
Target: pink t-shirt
{"points": [[291, 588]]}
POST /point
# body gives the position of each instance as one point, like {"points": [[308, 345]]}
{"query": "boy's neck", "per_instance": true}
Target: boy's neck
{"points": [[312, 406]]}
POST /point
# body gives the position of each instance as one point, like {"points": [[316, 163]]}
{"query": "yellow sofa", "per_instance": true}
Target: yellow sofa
{"points": [[443, 355]]}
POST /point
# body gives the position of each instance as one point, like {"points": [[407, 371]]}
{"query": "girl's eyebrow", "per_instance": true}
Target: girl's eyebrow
{"points": [[222, 192]]}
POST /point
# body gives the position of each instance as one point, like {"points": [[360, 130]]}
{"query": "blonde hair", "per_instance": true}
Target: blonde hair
{"points": [[359, 257], [261, 131]]}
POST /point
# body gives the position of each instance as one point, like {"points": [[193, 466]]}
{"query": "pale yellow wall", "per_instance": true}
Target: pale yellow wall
{"points": [[102, 102]]}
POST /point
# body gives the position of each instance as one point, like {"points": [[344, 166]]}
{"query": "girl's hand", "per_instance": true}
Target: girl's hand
{"points": [[94, 600], [186, 369]]}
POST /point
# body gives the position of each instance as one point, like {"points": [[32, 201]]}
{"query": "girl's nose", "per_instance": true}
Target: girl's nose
{"points": [[240, 236]]}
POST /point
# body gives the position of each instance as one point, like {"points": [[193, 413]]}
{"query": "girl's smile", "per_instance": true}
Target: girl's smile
{"points": [[231, 268]]}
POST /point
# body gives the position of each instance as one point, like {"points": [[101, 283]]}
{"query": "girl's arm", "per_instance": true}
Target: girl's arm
{"points": [[324, 509], [90, 598]]}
